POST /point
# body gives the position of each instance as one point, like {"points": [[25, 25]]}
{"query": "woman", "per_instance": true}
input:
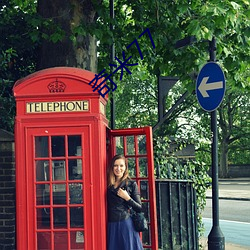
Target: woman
{"points": [[122, 195]]}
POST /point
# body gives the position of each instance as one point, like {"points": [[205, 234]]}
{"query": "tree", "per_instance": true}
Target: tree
{"points": [[65, 33], [68, 40], [17, 54], [171, 21], [234, 117], [226, 21]]}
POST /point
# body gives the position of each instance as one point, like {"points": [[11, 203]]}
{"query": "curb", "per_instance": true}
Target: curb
{"points": [[243, 179], [230, 198]]}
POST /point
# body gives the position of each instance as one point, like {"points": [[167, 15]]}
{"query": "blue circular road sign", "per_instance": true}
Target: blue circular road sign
{"points": [[210, 86]]}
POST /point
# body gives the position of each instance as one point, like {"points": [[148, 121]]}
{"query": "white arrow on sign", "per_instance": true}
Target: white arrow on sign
{"points": [[204, 86]]}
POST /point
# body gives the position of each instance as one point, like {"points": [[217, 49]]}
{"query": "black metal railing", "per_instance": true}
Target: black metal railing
{"points": [[176, 211]]}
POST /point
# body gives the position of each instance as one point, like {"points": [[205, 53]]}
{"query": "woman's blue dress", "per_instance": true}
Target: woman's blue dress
{"points": [[122, 236]]}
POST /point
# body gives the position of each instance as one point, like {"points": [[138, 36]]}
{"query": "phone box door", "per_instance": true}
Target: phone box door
{"points": [[137, 146], [59, 187]]}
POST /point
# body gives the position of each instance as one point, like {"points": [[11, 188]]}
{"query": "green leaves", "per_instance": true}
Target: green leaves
{"points": [[7, 57], [57, 36], [235, 5], [194, 28]]}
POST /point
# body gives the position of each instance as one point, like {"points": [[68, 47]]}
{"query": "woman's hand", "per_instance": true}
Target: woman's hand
{"points": [[123, 194]]}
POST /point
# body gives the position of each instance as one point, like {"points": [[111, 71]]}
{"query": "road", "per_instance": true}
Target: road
{"points": [[234, 212]]}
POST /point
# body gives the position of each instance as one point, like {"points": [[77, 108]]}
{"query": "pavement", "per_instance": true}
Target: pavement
{"points": [[228, 246], [229, 194]]}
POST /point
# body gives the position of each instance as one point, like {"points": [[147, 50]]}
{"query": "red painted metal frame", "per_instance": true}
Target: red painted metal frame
{"points": [[34, 88], [147, 131], [31, 184]]}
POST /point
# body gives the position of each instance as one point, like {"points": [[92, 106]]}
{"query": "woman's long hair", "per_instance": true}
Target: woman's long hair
{"points": [[111, 175]]}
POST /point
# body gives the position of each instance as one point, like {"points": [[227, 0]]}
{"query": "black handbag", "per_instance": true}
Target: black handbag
{"points": [[140, 222]]}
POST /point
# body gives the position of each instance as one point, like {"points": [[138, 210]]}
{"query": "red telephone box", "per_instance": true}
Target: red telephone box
{"points": [[62, 149]]}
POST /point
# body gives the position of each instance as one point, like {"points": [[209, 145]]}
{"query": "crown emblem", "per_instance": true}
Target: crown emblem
{"points": [[56, 86]]}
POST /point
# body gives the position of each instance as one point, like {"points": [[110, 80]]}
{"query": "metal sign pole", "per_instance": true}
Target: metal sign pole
{"points": [[216, 240]]}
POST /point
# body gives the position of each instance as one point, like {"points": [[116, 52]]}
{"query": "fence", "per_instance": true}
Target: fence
{"points": [[177, 221]]}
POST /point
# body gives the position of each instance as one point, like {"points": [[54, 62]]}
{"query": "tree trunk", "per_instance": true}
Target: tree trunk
{"points": [[73, 50], [223, 166]]}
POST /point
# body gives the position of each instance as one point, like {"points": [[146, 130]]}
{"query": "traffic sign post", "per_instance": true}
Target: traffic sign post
{"points": [[216, 239], [210, 90]]}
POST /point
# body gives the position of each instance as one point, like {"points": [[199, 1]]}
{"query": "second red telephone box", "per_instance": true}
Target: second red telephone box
{"points": [[61, 160]]}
